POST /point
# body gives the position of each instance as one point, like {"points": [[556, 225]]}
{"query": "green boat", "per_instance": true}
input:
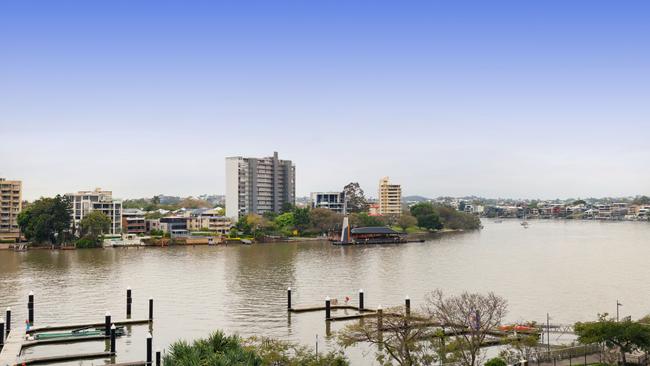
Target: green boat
{"points": [[87, 332]]}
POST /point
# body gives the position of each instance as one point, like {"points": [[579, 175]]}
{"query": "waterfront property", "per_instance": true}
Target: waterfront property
{"points": [[84, 202], [333, 201], [133, 221], [258, 185], [10, 207], [390, 198]]}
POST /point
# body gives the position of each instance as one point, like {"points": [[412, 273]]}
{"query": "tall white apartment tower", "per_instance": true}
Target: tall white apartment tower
{"points": [[258, 185]]}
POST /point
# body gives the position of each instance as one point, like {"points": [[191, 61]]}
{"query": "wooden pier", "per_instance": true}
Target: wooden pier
{"points": [[49, 328], [65, 358]]}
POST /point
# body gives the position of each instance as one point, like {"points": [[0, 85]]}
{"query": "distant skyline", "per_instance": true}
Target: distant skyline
{"points": [[494, 99]]}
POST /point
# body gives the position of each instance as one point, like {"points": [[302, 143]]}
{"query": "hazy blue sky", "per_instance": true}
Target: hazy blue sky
{"points": [[494, 98]]}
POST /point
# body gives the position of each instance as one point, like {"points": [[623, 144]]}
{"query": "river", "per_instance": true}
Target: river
{"points": [[570, 269]]}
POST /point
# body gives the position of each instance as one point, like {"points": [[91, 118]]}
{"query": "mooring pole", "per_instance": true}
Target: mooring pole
{"points": [[150, 309], [2, 333], [327, 308], [380, 324], [548, 335], [113, 336], [360, 299], [107, 324], [158, 357], [129, 300], [8, 323], [149, 349], [289, 298], [407, 306], [30, 307]]}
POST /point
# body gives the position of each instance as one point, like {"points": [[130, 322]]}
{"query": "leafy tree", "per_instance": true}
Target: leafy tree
{"points": [[362, 219], [324, 220], [47, 220], [406, 340], [641, 200], [219, 349], [579, 202], [94, 224], [406, 221], [496, 361], [430, 221], [242, 226], [455, 220], [626, 336], [301, 218], [285, 222], [356, 200], [287, 207], [258, 224], [421, 209], [468, 317], [155, 200]]}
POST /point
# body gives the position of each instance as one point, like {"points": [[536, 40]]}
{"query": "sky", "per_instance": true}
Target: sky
{"points": [[527, 99]]}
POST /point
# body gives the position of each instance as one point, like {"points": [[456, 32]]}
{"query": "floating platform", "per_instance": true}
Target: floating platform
{"points": [[66, 358], [49, 328]]}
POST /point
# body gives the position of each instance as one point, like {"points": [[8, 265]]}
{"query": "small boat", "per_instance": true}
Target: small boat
{"points": [[87, 332], [517, 328], [246, 241]]}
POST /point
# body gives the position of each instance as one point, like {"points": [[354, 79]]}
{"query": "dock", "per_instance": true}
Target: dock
{"points": [[13, 346], [65, 358], [49, 328]]}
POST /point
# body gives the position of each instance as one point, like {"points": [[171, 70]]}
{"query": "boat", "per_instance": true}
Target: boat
{"points": [[83, 332], [518, 328], [524, 223], [246, 241]]}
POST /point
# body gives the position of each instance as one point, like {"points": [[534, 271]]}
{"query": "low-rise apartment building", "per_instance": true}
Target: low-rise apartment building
{"points": [[84, 202], [333, 201], [10, 207], [133, 221]]}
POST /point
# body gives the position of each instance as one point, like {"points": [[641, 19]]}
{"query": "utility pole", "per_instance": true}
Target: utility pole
{"points": [[548, 334]]}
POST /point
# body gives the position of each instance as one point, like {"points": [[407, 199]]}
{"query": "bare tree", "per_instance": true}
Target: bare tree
{"points": [[467, 319], [404, 339]]}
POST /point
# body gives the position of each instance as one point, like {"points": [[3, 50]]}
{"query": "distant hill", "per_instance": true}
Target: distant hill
{"points": [[415, 199]]}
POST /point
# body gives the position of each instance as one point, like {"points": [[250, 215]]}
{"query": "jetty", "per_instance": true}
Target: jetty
{"points": [[13, 340]]}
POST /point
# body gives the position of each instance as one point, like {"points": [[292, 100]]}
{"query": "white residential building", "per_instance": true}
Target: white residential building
{"points": [[84, 202]]}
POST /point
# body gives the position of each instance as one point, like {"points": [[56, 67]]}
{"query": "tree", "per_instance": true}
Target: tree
{"points": [[47, 220], [421, 209], [468, 317], [455, 220], [287, 207], [285, 222], [220, 349], [626, 336], [301, 218], [406, 221], [155, 200], [405, 340], [356, 200], [496, 361], [258, 224], [324, 220], [430, 221], [94, 224], [362, 219]]}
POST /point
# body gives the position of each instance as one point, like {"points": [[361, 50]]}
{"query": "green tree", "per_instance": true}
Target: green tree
{"points": [[355, 197], [285, 223], [95, 224], [362, 219], [496, 361], [287, 207], [324, 220], [421, 209], [301, 218], [219, 349], [626, 336], [406, 221], [430, 221], [47, 220]]}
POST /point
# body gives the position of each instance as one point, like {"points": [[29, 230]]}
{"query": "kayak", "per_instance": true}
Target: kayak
{"points": [[77, 333]]}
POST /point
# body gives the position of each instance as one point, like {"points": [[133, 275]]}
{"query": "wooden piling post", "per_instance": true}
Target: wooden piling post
{"points": [[113, 337], [129, 300], [380, 324], [30, 307], [360, 299], [328, 308], [8, 322], [107, 324], [150, 309], [158, 357], [149, 349], [407, 306], [2, 333], [289, 298]]}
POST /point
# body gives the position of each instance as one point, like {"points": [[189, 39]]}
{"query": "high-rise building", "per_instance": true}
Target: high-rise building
{"points": [[390, 198], [330, 200], [10, 207], [84, 202], [258, 185]]}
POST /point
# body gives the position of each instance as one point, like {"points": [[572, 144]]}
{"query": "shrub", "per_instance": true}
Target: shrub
{"points": [[496, 361], [86, 242]]}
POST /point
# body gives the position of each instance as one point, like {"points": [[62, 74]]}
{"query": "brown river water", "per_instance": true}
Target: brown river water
{"points": [[570, 269]]}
